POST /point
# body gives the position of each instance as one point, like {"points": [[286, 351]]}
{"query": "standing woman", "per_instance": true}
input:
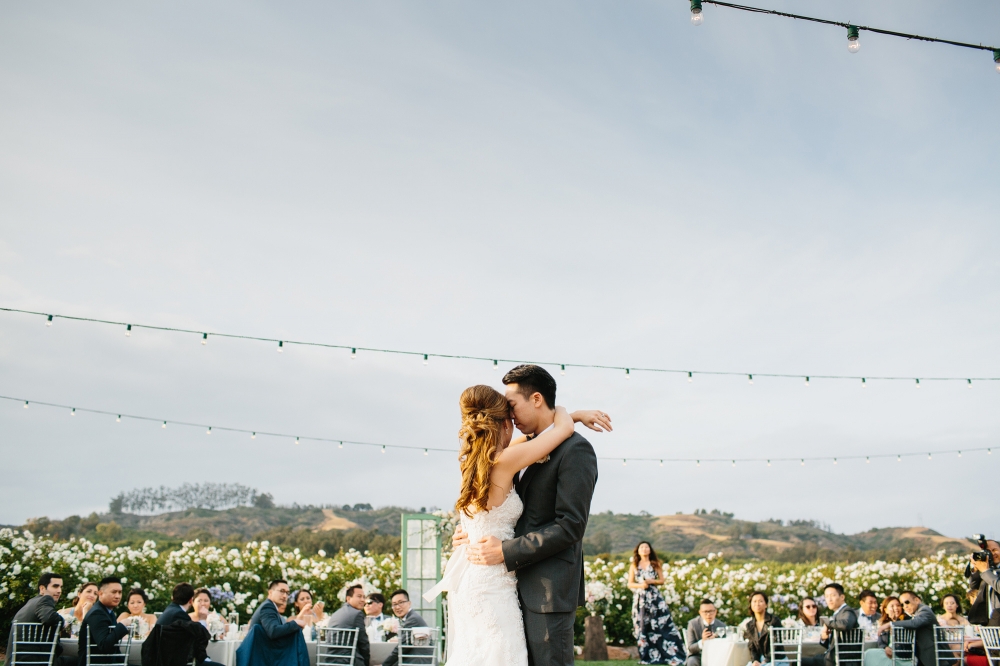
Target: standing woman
{"points": [[656, 634], [757, 629]]}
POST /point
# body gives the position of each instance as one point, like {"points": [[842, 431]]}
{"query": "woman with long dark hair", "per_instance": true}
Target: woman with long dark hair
{"points": [[809, 613], [656, 635], [757, 629]]}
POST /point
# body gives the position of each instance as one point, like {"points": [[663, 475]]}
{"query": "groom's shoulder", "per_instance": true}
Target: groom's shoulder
{"points": [[577, 442]]}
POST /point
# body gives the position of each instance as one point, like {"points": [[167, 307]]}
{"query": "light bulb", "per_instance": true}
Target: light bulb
{"points": [[802, 462], [918, 383], [425, 359], [281, 346], [624, 462], [853, 43], [864, 384], [734, 463], [867, 459], [696, 14], [73, 412], [690, 377], [209, 431], [697, 463], [383, 448], [989, 452], [899, 458], [119, 419], [354, 352], [296, 441], [204, 338], [768, 463], [164, 425], [834, 461], [959, 454], [562, 369], [340, 445], [807, 381], [750, 379], [996, 58], [49, 321], [253, 435], [928, 456], [628, 373], [426, 453], [495, 364], [128, 331], [25, 404], [969, 383]]}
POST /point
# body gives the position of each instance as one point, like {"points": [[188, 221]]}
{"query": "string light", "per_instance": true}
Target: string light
{"points": [[340, 443], [297, 443], [496, 361], [281, 346], [834, 461], [426, 453], [425, 359], [918, 383], [734, 463], [807, 382], [853, 31], [628, 373], [697, 17], [624, 463], [661, 463], [853, 43], [562, 369], [128, 331], [49, 321], [864, 384], [750, 379]]}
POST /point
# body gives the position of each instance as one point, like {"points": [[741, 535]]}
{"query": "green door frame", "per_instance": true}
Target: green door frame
{"points": [[421, 563]]}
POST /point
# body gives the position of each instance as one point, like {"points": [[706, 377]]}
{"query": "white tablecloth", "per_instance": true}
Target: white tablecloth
{"points": [[724, 652]]}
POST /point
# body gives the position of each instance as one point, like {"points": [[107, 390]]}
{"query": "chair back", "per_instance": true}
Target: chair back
{"points": [[335, 646], [32, 643], [93, 658], [786, 646], [903, 646], [418, 645], [849, 647], [949, 645], [991, 644]]}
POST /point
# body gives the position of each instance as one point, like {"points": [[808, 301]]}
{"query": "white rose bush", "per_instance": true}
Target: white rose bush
{"points": [[687, 582], [240, 575]]}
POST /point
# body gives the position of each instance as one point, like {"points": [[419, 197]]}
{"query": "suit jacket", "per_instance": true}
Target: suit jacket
{"points": [[178, 638], [695, 629], [41, 609], [349, 617], [102, 629], [270, 620], [410, 620], [845, 619], [922, 622], [547, 548]]}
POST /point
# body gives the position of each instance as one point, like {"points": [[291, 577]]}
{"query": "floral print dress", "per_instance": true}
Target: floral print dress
{"points": [[656, 635]]}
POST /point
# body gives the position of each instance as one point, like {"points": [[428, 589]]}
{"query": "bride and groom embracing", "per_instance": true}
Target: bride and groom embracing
{"points": [[516, 577]]}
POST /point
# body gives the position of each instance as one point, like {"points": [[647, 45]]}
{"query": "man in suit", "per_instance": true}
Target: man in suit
{"points": [[844, 618], [268, 614], [374, 616], [42, 610], [868, 612], [178, 633], [986, 576], [547, 548], [100, 627], [922, 621], [408, 618], [701, 629], [352, 616]]}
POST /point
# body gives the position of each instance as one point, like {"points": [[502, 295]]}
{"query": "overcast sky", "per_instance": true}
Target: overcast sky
{"points": [[575, 181]]}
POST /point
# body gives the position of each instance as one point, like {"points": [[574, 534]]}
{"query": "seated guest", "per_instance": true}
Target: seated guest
{"points": [[175, 637], [82, 603], [808, 615], [843, 619], [701, 629], [757, 629], [868, 611], [100, 628], [922, 621], [892, 610], [302, 597], [272, 641], [352, 616], [201, 611], [952, 616], [42, 610], [374, 605], [408, 618], [136, 615]]}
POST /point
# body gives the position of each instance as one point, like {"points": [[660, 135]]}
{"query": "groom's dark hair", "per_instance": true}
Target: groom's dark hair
{"points": [[533, 379]]}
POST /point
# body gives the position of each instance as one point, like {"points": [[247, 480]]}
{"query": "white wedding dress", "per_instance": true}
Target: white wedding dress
{"points": [[485, 627]]}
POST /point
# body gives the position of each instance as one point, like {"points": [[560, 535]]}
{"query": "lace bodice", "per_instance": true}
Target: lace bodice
{"points": [[498, 521]]}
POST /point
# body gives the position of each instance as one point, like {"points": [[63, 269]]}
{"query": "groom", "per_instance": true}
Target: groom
{"points": [[547, 548]]}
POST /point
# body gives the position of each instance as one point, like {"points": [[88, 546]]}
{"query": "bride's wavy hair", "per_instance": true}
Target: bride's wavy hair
{"points": [[484, 409]]}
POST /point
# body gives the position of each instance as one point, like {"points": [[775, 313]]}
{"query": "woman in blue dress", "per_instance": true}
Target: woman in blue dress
{"points": [[656, 635]]}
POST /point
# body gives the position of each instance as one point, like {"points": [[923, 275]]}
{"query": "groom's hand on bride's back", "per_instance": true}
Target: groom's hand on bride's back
{"points": [[460, 538]]}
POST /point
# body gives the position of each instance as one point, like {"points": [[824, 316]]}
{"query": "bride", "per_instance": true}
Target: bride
{"points": [[485, 627]]}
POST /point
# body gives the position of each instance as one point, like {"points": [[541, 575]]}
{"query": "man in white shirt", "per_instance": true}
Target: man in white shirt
{"points": [[374, 616], [868, 614]]}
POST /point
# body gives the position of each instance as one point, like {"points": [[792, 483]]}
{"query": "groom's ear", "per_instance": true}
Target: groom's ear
{"points": [[537, 401]]}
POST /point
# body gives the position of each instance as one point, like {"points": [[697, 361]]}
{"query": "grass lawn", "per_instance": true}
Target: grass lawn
{"points": [[628, 662]]}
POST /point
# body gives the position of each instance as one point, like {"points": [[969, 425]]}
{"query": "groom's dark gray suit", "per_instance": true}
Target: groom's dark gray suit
{"points": [[547, 548]]}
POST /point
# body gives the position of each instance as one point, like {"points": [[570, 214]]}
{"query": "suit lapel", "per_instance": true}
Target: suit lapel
{"points": [[522, 485]]}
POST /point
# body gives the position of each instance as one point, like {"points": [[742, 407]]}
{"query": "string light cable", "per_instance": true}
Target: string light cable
{"points": [[209, 429], [628, 371], [853, 31]]}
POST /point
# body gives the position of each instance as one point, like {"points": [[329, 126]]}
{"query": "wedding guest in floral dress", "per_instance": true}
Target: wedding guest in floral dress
{"points": [[658, 639]]}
